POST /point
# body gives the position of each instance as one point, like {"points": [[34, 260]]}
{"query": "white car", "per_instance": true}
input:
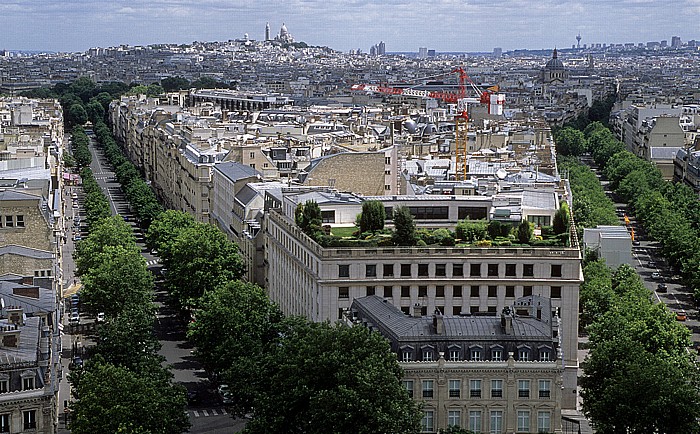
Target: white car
{"points": [[655, 275], [74, 317], [100, 317]]}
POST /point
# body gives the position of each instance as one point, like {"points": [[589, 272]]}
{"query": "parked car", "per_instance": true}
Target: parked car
{"points": [[661, 287], [651, 264], [681, 315], [225, 394], [636, 243], [655, 275], [100, 317], [76, 363], [74, 318]]}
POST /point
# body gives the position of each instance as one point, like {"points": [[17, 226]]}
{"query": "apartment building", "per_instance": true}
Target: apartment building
{"points": [[321, 283], [498, 373]]}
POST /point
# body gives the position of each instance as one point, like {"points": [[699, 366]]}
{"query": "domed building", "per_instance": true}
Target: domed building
{"points": [[554, 71], [284, 35]]}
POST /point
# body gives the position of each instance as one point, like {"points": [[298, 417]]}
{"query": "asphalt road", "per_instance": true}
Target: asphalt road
{"points": [[206, 413]]}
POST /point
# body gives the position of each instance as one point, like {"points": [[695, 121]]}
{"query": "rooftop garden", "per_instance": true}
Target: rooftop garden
{"points": [[370, 231]]}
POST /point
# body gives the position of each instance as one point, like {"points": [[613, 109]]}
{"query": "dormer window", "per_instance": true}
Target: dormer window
{"points": [[497, 354], [406, 353], [27, 383], [455, 354], [545, 354], [475, 354], [523, 354]]}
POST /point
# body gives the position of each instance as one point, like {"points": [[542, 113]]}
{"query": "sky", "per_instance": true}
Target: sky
{"points": [[404, 25]]}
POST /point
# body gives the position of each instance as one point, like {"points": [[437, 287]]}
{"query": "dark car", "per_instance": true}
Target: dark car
{"points": [[76, 363], [636, 243], [661, 287]]}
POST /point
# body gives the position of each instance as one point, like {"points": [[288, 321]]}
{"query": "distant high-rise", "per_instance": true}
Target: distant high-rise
{"points": [[373, 50], [578, 40], [267, 31], [381, 48], [498, 52], [422, 53], [431, 53], [675, 41]]}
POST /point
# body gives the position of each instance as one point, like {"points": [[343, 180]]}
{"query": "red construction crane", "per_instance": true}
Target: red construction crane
{"points": [[493, 100]]}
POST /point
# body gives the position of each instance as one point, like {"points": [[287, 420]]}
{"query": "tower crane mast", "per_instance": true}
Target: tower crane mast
{"points": [[489, 97]]}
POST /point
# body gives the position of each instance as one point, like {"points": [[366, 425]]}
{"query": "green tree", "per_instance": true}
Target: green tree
{"points": [[77, 115], [325, 375], [110, 232], [570, 142], [372, 217], [308, 218], [171, 84], [470, 231], [236, 326], [561, 219], [111, 398], [202, 259], [404, 227], [524, 232], [498, 229], [163, 231], [95, 112], [120, 279]]}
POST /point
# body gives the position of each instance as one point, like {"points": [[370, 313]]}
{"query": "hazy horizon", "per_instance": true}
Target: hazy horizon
{"points": [[404, 25]]}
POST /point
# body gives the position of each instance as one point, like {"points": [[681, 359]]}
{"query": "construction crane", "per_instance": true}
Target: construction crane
{"points": [[489, 97]]}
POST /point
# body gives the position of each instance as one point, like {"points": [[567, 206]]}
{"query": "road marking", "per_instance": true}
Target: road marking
{"points": [[196, 413], [213, 412], [205, 413]]}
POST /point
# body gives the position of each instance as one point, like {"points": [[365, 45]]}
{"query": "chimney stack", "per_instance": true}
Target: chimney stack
{"points": [[417, 308], [438, 322], [507, 321]]}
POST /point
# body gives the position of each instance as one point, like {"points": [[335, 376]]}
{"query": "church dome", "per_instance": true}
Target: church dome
{"points": [[554, 62], [283, 30]]}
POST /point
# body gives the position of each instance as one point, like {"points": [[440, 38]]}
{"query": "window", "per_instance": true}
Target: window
{"points": [[527, 291], [29, 418], [454, 354], [510, 291], [343, 292], [493, 291], [4, 422], [543, 418], [406, 355], [408, 385], [9, 221], [405, 270], [510, 269], [343, 270], [439, 291], [252, 165], [475, 354], [528, 270], [544, 387], [475, 388], [475, 420], [369, 290], [493, 270], [427, 422], [523, 420], [523, 354], [423, 270], [473, 309], [556, 270], [475, 270], [472, 213], [387, 187], [457, 291], [474, 291], [523, 388], [453, 418], [27, 383], [456, 310], [388, 270], [370, 270], [454, 388], [428, 355], [4, 386], [252, 155], [405, 291], [441, 270], [422, 291], [387, 160], [429, 212], [328, 216], [555, 292], [427, 388], [496, 388], [539, 220], [497, 355], [457, 270], [388, 291], [20, 221], [496, 422]]}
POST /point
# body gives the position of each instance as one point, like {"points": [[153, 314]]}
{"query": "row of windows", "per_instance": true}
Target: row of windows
{"points": [[476, 353], [12, 221], [42, 273], [476, 423], [458, 270], [27, 384], [28, 421], [442, 212], [544, 388], [475, 291]]}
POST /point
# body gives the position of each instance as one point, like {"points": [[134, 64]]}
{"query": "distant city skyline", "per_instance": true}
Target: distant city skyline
{"points": [[404, 25]]}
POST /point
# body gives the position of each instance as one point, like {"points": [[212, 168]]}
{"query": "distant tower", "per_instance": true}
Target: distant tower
{"points": [[267, 31], [381, 48], [578, 41]]}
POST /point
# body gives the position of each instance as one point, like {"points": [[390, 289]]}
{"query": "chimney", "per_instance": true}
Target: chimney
{"points": [[507, 321], [438, 322], [9, 336], [416, 310], [15, 315]]}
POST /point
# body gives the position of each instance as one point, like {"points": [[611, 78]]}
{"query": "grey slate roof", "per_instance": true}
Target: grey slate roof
{"points": [[26, 351], [13, 249], [235, 171], [17, 195], [45, 303]]}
